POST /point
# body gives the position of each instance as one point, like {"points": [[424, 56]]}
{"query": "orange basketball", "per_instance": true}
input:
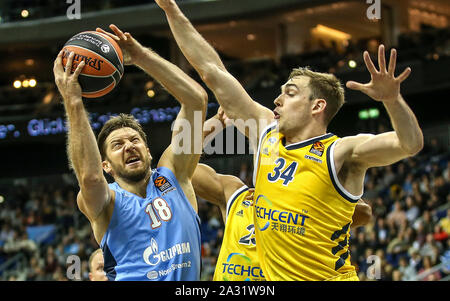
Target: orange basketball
{"points": [[103, 62]]}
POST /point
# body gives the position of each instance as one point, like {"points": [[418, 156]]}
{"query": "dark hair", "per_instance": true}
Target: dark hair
{"points": [[325, 86], [118, 122]]}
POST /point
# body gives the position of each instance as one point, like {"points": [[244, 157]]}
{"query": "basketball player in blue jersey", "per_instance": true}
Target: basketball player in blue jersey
{"points": [[306, 179], [146, 222]]}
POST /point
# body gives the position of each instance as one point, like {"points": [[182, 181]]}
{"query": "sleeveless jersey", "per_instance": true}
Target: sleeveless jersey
{"points": [[237, 259], [156, 238], [302, 213]]}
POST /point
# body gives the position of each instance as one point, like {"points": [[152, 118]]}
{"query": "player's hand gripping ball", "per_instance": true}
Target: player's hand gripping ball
{"points": [[103, 62]]}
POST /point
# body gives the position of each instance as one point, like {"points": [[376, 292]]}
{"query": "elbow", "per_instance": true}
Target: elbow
{"points": [[199, 99], [416, 148], [210, 73], [91, 180]]}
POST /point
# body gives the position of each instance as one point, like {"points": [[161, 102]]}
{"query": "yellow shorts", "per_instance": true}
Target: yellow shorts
{"points": [[351, 276]]}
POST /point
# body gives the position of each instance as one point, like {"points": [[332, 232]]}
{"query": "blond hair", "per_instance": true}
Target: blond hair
{"points": [[91, 258], [324, 86]]}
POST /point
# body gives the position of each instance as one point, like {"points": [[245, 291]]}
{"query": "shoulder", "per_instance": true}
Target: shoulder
{"points": [[352, 141], [344, 150], [345, 146]]}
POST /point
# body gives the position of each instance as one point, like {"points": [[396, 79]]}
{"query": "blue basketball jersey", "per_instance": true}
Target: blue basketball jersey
{"points": [[156, 238]]}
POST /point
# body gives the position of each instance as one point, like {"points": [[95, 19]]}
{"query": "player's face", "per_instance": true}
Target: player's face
{"points": [[128, 155], [97, 273], [293, 106]]}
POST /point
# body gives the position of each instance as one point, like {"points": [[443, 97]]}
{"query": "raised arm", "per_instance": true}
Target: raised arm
{"points": [[214, 187], [188, 92], [83, 153], [233, 98], [386, 148]]}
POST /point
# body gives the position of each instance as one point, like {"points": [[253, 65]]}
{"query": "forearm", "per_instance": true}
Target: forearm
{"points": [[405, 125], [82, 146], [173, 79], [200, 54]]}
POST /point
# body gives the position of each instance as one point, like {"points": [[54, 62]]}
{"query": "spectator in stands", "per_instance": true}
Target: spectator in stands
{"points": [[439, 234], [429, 247], [408, 271], [445, 222], [427, 265], [412, 211], [397, 275], [397, 216]]}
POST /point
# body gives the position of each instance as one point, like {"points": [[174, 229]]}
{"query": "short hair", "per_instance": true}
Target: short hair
{"points": [[118, 122], [91, 258], [325, 86]]}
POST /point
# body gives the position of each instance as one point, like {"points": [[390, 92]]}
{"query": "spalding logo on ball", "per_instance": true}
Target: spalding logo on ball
{"points": [[103, 62]]}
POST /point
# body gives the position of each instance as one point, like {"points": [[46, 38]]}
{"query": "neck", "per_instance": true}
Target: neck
{"points": [[138, 188], [304, 134]]}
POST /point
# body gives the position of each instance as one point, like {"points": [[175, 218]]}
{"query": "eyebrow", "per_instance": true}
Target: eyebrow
{"points": [[289, 86], [132, 136]]}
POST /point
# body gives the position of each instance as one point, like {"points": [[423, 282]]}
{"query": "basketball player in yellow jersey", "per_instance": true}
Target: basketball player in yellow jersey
{"points": [[238, 260], [303, 205]]}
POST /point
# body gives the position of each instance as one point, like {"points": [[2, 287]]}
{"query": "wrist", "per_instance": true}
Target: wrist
{"points": [[73, 103], [392, 101], [171, 7]]}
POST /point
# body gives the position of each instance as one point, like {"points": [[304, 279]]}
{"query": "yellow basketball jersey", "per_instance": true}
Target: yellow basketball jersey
{"points": [[237, 259], [302, 213]]}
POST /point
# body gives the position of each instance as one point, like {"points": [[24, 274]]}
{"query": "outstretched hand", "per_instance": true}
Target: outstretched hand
{"points": [[66, 81], [383, 86], [130, 47]]}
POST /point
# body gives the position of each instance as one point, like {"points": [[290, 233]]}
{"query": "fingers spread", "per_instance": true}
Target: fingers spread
{"points": [[392, 62], [355, 86], [118, 32], [79, 69], [69, 64], [114, 37], [404, 75], [369, 64], [381, 58]]}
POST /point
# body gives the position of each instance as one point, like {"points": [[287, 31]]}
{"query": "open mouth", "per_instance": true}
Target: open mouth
{"points": [[133, 160], [276, 115]]}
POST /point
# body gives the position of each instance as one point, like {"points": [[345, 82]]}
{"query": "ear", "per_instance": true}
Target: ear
{"points": [[90, 276], [107, 167], [318, 106]]}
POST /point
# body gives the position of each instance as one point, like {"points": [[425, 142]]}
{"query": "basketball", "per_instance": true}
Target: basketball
{"points": [[103, 58]]}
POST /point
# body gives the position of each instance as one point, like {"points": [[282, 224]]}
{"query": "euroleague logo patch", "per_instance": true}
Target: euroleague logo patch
{"points": [[317, 148], [162, 184]]}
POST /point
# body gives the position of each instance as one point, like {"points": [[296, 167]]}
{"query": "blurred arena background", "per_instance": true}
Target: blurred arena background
{"points": [[260, 41]]}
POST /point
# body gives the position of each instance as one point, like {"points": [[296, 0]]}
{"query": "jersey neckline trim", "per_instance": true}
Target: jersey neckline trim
{"points": [[309, 141]]}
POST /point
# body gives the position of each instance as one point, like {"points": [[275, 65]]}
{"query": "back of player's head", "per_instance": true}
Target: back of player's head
{"points": [[91, 258], [115, 123], [323, 86]]}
